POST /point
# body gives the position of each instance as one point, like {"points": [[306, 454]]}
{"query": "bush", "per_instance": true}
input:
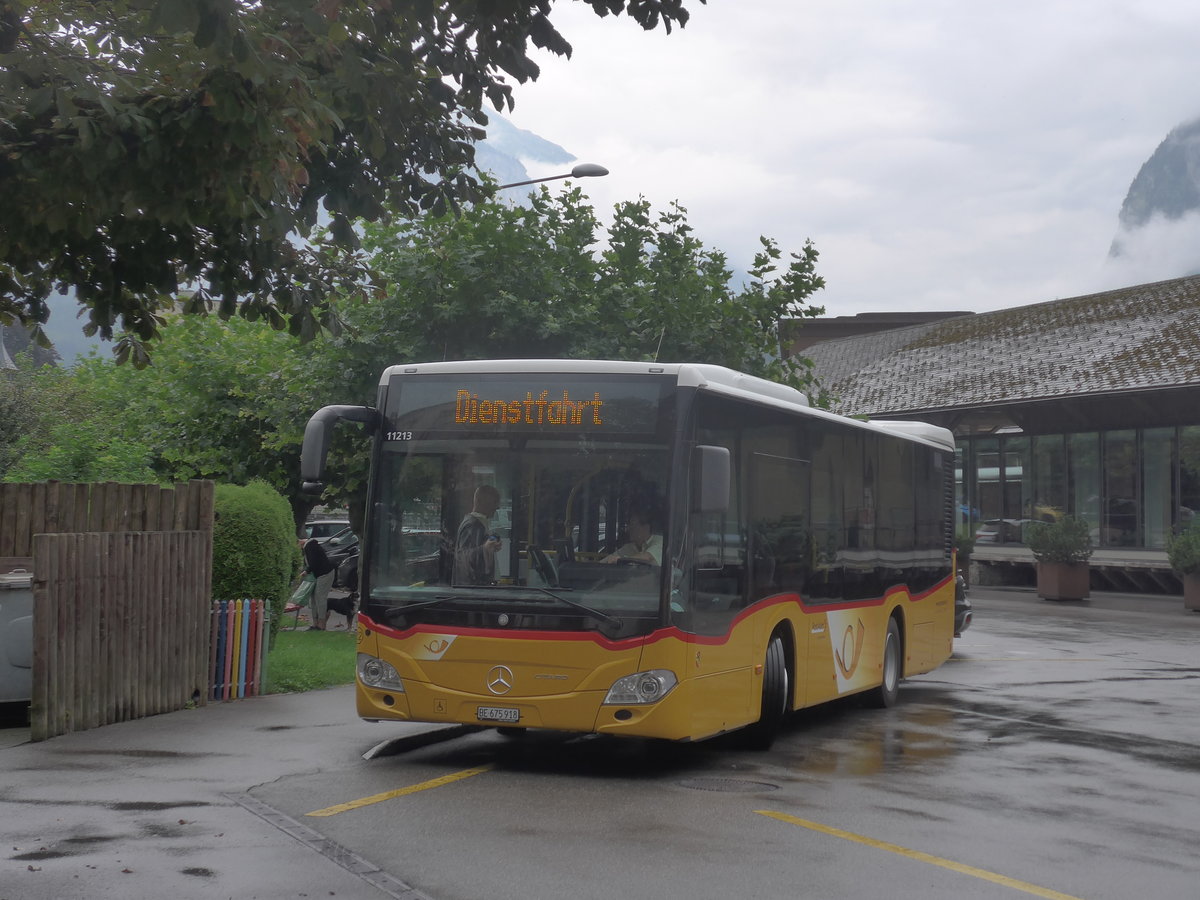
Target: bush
{"points": [[1183, 550], [964, 544], [1069, 540], [255, 552]]}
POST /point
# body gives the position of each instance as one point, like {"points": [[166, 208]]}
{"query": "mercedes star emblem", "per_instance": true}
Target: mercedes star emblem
{"points": [[500, 679]]}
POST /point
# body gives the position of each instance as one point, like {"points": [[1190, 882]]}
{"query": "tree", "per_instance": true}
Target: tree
{"points": [[503, 281], [149, 144], [34, 399], [223, 400], [527, 281], [83, 452], [662, 295], [230, 400]]}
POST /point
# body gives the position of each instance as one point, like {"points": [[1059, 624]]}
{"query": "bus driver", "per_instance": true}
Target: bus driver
{"points": [[644, 545]]}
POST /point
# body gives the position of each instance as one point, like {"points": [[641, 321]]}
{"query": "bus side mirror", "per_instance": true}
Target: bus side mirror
{"points": [[316, 441], [712, 478]]}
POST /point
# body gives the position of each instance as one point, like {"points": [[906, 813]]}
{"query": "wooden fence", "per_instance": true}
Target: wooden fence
{"points": [[122, 586]]}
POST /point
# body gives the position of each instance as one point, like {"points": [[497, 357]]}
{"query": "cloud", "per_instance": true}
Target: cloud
{"points": [[940, 155], [1161, 245]]}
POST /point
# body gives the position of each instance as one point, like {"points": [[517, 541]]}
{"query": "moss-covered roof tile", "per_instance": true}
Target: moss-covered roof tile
{"points": [[1135, 337]]}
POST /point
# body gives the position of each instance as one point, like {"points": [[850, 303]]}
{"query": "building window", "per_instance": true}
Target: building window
{"points": [[1134, 487], [1158, 486], [1189, 476], [1083, 475], [987, 490], [1120, 523], [1018, 487], [1049, 478]]}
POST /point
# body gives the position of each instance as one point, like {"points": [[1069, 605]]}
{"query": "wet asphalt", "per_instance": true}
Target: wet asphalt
{"points": [[162, 807]]}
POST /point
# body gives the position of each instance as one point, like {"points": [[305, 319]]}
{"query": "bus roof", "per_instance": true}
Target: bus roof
{"points": [[688, 374], [699, 375]]}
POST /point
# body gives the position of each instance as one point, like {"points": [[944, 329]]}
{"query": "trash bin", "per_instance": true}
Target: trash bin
{"points": [[16, 637]]}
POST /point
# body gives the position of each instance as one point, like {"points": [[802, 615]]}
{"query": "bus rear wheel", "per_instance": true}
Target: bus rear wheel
{"points": [[885, 695], [761, 735]]}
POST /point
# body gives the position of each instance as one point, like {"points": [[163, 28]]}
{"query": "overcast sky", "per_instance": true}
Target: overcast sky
{"points": [[941, 155]]}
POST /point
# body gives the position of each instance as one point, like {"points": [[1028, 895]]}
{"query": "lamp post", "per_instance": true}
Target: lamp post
{"points": [[583, 170]]}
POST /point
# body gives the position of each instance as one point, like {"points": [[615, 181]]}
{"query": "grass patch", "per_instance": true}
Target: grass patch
{"points": [[309, 660]]}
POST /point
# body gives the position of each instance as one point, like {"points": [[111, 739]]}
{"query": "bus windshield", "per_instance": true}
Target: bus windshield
{"points": [[495, 498]]}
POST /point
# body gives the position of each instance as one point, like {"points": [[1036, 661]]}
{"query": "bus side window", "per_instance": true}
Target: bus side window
{"points": [[825, 509], [718, 576], [718, 539], [781, 531]]}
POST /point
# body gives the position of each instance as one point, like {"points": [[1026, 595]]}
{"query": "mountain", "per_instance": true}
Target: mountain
{"points": [[1165, 191], [506, 146]]}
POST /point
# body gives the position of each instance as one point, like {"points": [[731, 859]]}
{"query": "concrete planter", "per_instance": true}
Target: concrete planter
{"points": [[1191, 591], [1063, 581]]}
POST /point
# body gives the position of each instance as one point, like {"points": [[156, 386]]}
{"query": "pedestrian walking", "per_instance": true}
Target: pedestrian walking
{"points": [[317, 564]]}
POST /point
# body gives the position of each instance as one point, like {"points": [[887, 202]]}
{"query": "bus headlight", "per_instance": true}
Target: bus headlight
{"points": [[641, 688], [375, 673]]}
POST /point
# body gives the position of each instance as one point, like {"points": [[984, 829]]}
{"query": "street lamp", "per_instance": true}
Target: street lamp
{"points": [[583, 170]]}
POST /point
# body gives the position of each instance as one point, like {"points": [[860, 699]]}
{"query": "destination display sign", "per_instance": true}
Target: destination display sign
{"points": [[552, 404], [547, 409]]}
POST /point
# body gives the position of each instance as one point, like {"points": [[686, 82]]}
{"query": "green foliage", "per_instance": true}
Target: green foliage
{"points": [[223, 400], [310, 660], [79, 452], [229, 400], [506, 281], [25, 394], [1068, 540], [964, 544], [255, 550], [1183, 550], [51, 429], [148, 144], [503, 281]]}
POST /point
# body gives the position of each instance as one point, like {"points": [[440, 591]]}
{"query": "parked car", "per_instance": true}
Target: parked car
{"points": [[1001, 531], [323, 529], [962, 607]]}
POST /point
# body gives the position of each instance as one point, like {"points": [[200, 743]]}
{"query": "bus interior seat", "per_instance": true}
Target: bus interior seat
{"points": [[565, 552]]}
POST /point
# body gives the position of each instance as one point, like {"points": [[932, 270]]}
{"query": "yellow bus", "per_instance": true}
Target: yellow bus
{"points": [[667, 551]]}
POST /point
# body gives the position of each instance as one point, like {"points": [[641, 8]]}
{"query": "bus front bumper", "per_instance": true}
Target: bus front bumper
{"points": [[583, 712]]}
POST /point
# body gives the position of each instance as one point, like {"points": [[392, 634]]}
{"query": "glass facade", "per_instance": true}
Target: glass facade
{"points": [[1135, 487]]}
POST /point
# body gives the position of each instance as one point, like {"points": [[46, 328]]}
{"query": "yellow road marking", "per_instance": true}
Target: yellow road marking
{"points": [[399, 792], [1003, 880], [1024, 659]]}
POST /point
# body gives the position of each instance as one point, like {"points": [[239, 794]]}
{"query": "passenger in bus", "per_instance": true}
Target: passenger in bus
{"points": [[475, 546], [644, 544]]}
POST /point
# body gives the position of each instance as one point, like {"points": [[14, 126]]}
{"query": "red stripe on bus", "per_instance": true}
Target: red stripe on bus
{"points": [[655, 636]]}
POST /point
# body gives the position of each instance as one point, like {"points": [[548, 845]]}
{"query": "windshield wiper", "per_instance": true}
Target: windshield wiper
{"points": [[599, 614], [422, 604], [441, 598]]}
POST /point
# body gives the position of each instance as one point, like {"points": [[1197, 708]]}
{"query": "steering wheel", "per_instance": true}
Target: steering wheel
{"points": [[542, 565]]}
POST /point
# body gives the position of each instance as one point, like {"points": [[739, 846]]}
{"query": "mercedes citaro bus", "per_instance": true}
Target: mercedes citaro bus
{"points": [[660, 550]]}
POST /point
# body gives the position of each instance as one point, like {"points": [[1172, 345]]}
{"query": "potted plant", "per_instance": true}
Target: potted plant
{"points": [[1183, 552], [1062, 550]]}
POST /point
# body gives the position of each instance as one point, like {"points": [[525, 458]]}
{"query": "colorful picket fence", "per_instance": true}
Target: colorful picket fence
{"points": [[240, 636]]}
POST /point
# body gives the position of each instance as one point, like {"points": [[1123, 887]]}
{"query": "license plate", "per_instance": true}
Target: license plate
{"points": [[498, 714]]}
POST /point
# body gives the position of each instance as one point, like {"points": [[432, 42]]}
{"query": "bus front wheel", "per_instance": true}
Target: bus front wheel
{"points": [[762, 733], [885, 695]]}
